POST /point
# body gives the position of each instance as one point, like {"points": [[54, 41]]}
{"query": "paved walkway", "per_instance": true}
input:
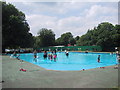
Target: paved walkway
{"points": [[37, 77]]}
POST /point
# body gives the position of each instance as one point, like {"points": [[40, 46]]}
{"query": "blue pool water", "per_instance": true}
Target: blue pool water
{"points": [[75, 60]]}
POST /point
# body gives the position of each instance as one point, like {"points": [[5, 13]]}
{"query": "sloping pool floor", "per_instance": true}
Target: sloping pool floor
{"points": [[75, 61]]}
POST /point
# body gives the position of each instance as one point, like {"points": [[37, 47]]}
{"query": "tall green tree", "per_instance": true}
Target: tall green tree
{"points": [[37, 43], [105, 35], [46, 37], [116, 36], [77, 38], [65, 39], [58, 41], [15, 29]]}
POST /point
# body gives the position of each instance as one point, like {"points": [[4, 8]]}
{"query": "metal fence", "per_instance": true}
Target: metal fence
{"points": [[72, 48]]}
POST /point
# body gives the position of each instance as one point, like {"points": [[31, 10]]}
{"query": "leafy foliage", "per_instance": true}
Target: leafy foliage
{"points": [[37, 42], [15, 29], [105, 35], [15, 33], [46, 37], [65, 39]]}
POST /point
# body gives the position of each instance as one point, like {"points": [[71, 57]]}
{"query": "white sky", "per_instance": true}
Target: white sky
{"points": [[75, 17]]}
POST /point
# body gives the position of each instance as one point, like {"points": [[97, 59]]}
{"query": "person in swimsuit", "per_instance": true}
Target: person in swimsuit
{"points": [[55, 56], [67, 54], [35, 54], [98, 58], [45, 55]]}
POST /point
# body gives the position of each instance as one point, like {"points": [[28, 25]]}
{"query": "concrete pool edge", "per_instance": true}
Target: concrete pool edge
{"points": [[22, 61], [17, 81], [80, 70]]}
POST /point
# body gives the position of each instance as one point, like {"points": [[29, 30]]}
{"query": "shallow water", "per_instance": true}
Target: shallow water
{"points": [[75, 60]]}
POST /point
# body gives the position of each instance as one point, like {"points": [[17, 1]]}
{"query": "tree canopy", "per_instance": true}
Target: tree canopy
{"points": [[15, 29], [15, 33], [105, 35], [65, 39], [46, 37]]}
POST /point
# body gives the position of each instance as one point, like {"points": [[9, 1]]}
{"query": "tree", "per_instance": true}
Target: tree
{"points": [[116, 36], [65, 39], [105, 35], [15, 29], [58, 41], [77, 38], [72, 41], [47, 37], [37, 42]]}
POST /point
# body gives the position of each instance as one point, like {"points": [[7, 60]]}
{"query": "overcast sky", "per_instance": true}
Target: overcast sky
{"points": [[61, 17]]}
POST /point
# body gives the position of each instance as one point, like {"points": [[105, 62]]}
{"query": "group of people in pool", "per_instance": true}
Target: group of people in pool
{"points": [[51, 56]]}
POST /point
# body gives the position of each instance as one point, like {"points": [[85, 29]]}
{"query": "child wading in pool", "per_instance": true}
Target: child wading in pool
{"points": [[98, 58], [55, 56], [51, 56], [35, 55]]}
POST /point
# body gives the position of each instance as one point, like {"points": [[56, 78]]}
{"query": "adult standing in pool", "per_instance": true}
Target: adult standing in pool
{"points": [[67, 54], [45, 55], [98, 58], [35, 54]]}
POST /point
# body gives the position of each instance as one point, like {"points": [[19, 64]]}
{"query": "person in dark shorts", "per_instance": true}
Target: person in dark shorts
{"points": [[67, 54], [45, 55], [35, 54], [98, 58]]}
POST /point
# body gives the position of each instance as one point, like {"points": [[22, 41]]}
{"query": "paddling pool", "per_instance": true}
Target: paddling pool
{"points": [[75, 61]]}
